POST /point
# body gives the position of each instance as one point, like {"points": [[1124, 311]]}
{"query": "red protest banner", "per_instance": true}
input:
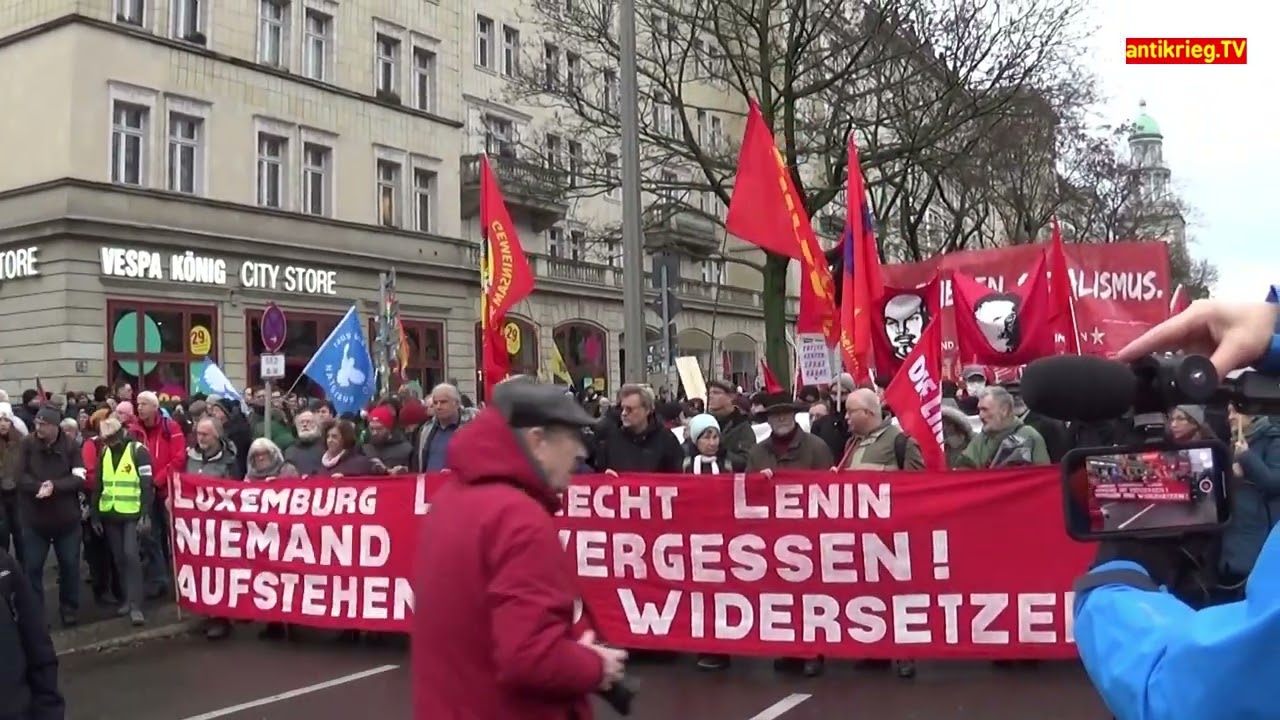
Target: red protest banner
{"points": [[854, 565]]}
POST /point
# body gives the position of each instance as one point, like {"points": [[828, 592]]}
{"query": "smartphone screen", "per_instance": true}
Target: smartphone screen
{"points": [[1144, 492]]}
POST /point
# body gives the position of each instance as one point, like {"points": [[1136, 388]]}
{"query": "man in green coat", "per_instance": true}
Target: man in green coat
{"points": [[1004, 441]]}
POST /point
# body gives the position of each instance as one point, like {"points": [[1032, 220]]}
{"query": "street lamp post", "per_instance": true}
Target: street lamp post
{"points": [[633, 282]]}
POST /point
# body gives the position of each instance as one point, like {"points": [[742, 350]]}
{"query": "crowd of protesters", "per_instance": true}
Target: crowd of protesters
{"points": [[86, 476]]}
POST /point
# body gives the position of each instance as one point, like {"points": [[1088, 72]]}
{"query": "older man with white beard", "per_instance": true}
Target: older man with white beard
{"points": [[305, 452]]}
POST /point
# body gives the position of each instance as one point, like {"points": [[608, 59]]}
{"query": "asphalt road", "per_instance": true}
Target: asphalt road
{"points": [[320, 679], [1141, 515]]}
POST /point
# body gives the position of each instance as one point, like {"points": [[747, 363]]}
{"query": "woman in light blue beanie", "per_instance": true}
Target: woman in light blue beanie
{"points": [[703, 455]]}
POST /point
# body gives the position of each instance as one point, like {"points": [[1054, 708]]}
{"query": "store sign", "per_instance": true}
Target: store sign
{"points": [[19, 263], [188, 267]]}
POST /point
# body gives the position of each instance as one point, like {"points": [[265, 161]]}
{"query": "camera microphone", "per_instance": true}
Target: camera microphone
{"points": [[1079, 388]]}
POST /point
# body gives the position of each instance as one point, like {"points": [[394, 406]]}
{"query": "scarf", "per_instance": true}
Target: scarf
{"points": [[272, 471], [712, 465], [330, 461]]}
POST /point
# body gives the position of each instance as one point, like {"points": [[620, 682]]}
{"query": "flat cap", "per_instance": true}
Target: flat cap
{"points": [[526, 404]]}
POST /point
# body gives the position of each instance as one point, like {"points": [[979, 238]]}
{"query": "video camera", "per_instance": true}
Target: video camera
{"points": [[1153, 487]]}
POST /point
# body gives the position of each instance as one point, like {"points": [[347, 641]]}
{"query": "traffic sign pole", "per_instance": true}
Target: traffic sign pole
{"points": [[273, 328]]}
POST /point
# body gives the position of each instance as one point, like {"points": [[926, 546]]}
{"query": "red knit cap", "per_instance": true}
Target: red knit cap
{"points": [[413, 413], [383, 415]]}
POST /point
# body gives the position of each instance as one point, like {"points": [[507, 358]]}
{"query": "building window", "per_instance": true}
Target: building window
{"points": [[315, 52], [554, 150], [188, 20], [484, 42], [612, 91], [584, 349], [577, 245], [273, 18], [573, 72], [424, 194], [717, 133], [424, 79], [186, 134], [499, 136], [129, 144], [304, 333], [551, 65], [712, 271], [317, 161], [131, 12], [575, 163], [387, 81], [273, 153], [667, 182], [510, 51], [424, 347], [521, 336], [389, 193], [151, 346], [612, 173], [555, 242], [661, 113]]}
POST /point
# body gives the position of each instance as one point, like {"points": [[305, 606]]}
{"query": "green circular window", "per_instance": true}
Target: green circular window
{"points": [[124, 341]]}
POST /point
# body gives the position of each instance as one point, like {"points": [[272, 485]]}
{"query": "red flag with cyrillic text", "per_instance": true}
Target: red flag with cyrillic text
{"points": [[1004, 326], [915, 396], [505, 277]]}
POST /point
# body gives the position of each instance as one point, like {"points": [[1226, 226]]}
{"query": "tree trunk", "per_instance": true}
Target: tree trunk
{"points": [[774, 301]]}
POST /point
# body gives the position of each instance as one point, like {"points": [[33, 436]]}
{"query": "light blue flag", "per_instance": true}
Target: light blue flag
{"points": [[342, 366], [208, 378]]}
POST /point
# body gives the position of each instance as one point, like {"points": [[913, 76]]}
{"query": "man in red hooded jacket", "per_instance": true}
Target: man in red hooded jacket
{"points": [[494, 634], [168, 449]]}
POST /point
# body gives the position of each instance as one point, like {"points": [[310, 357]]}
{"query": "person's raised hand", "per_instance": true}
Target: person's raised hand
{"points": [[1231, 335]]}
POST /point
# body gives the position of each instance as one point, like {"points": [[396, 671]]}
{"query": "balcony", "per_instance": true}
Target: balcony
{"points": [[681, 230], [593, 277], [534, 193]]}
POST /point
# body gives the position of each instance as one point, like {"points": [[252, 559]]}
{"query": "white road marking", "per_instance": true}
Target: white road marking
{"points": [[1136, 515], [302, 691], [783, 706]]}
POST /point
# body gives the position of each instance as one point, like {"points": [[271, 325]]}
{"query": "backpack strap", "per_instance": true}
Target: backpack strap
{"points": [[900, 449], [1132, 578]]}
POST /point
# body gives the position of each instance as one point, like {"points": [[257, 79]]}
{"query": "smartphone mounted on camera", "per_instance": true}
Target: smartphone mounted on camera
{"points": [[1156, 490]]}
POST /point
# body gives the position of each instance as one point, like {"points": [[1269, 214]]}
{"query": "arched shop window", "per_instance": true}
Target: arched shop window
{"points": [[426, 349], [303, 334], [521, 337], [156, 346], [584, 348]]}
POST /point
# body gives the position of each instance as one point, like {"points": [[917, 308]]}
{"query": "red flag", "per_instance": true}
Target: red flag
{"points": [[505, 276], [766, 211], [1004, 327], [41, 395], [767, 378], [1060, 293], [898, 320], [915, 396], [862, 282], [1180, 300]]}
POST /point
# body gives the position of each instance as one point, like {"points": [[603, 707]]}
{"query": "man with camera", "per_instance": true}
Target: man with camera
{"points": [[496, 598], [1150, 656]]}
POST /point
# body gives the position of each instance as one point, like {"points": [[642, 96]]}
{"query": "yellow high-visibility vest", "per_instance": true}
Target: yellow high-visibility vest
{"points": [[121, 485]]}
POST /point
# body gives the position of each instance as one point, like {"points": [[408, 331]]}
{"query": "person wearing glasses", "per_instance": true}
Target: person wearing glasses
{"points": [[640, 442]]}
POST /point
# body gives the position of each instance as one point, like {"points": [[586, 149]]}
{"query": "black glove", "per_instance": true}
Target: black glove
{"points": [[1160, 557]]}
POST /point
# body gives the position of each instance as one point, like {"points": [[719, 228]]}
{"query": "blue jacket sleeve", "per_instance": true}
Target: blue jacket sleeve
{"points": [[1151, 657]]}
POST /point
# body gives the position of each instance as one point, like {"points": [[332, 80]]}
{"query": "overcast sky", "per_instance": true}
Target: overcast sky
{"points": [[1216, 120]]}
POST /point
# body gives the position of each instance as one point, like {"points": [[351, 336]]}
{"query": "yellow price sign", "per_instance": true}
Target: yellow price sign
{"points": [[200, 340], [511, 333]]}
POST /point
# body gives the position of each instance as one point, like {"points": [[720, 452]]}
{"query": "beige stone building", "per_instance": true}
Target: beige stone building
{"points": [[171, 166]]}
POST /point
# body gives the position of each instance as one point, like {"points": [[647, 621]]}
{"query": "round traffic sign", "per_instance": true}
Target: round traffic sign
{"points": [[273, 328], [1206, 486]]}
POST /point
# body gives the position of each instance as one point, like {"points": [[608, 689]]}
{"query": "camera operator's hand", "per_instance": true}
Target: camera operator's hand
{"points": [[1232, 335], [1158, 557]]}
